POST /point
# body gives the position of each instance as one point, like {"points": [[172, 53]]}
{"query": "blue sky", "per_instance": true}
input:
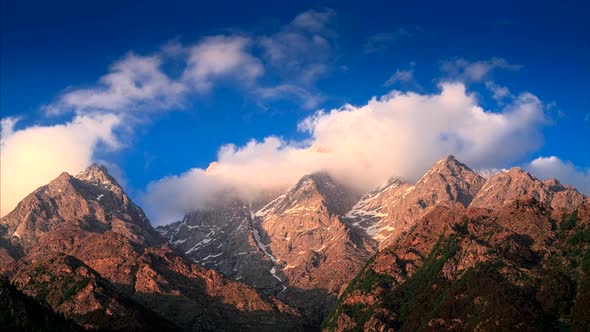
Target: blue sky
{"points": [[220, 73]]}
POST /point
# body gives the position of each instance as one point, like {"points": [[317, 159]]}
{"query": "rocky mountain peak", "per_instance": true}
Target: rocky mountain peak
{"points": [[99, 174], [320, 189], [554, 185], [451, 166], [507, 186], [448, 180]]}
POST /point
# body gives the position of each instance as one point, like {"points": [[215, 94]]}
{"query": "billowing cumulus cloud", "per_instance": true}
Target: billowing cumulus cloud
{"points": [[34, 155], [401, 134], [565, 171]]}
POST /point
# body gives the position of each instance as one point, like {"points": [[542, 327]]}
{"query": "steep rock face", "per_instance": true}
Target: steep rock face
{"points": [[476, 269], [222, 238], [507, 186], [89, 218], [313, 252], [389, 211]]}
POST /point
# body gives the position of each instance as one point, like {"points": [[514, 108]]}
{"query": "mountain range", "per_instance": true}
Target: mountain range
{"points": [[401, 257]]}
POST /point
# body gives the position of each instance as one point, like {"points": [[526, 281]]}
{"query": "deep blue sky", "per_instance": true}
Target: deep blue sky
{"points": [[49, 46]]}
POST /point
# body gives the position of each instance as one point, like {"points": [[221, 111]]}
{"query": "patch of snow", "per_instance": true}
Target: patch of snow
{"points": [[268, 207], [261, 245], [298, 208], [209, 257], [196, 246], [320, 249], [273, 271], [178, 241]]}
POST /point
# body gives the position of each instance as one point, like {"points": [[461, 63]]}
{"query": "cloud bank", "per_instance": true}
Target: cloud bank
{"points": [[399, 134]]}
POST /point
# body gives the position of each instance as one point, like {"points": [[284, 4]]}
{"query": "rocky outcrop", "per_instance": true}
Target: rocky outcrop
{"points": [[505, 187]]}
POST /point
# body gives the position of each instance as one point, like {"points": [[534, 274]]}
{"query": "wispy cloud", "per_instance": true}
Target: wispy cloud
{"points": [[302, 51], [402, 76], [304, 97], [221, 56], [499, 92], [133, 83], [473, 71], [383, 40]]}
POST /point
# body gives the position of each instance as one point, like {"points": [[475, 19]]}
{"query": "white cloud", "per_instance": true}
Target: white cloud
{"points": [[499, 93], [307, 99], [133, 83], [402, 76], [221, 56], [33, 156], [467, 71], [302, 50], [383, 40], [565, 171], [398, 134]]}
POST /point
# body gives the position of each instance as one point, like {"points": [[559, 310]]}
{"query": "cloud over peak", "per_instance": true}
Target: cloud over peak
{"points": [[401, 133], [34, 155]]}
